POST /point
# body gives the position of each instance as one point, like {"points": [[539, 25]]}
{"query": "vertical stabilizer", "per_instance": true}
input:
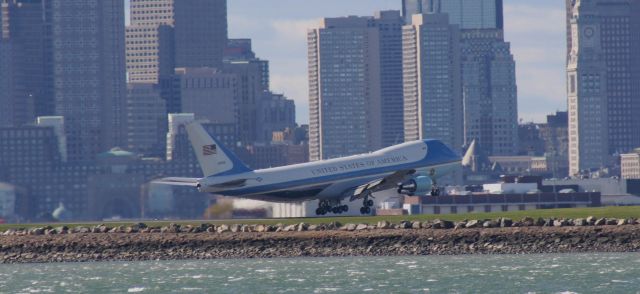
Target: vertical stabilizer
{"points": [[214, 159]]}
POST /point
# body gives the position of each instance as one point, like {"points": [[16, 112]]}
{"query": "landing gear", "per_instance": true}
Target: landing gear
{"points": [[366, 204], [435, 190], [326, 206]]}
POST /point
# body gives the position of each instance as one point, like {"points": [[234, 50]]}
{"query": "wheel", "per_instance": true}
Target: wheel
{"points": [[367, 210], [318, 211], [369, 202], [362, 210], [335, 210]]}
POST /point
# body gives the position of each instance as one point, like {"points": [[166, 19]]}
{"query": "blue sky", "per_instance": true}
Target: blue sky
{"points": [[535, 29]]}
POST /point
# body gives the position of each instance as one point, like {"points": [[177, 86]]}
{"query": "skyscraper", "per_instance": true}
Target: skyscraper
{"points": [[89, 73], [142, 38], [146, 120], [209, 94], [354, 84], [200, 32], [433, 106], [26, 29], [489, 91], [603, 70], [468, 14]]}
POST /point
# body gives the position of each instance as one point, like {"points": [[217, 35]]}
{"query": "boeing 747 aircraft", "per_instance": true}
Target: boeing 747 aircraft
{"points": [[411, 168]]}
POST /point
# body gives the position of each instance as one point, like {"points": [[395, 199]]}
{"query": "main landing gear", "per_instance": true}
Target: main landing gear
{"points": [[366, 204], [326, 206]]}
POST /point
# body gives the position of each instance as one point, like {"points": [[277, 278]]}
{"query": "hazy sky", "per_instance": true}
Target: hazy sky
{"points": [[536, 30]]}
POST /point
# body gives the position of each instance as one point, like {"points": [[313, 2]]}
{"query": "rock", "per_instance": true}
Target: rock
{"points": [[600, 222], [459, 225], [632, 221], [559, 223], [416, 225], [223, 228], [442, 224], [245, 228], [302, 227], [622, 222], [528, 222], [474, 223], [405, 225], [234, 228], [580, 222], [271, 228], [290, 228], [612, 221], [591, 220], [9, 232], [171, 228], [384, 225], [261, 228], [131, 229], [539, 222], [361, 227], [489, 224], [427, 225], [505, 222], [37, 231], [334, 226], [349, 227], [312, 228], [211, 229]]}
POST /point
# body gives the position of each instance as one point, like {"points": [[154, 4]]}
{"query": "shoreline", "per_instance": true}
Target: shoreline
{"points": [[437, 237]]}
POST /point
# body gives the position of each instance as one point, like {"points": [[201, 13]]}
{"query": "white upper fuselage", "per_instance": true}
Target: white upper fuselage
{"points": [[334, 177]]}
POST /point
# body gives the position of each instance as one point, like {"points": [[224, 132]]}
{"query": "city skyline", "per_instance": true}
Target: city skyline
{"points": [[278, 30]]}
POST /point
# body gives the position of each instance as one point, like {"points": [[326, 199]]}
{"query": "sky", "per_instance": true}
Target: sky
{"points": [[535, 29]]}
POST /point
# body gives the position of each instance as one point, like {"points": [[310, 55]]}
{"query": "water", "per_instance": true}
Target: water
{"points": [[546, 273]]}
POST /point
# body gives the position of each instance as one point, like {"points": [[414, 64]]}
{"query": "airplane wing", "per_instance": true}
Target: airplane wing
{"points": [[385, 183], [193, 182]]}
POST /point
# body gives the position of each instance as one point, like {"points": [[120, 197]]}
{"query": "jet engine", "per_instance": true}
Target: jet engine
{"points": [[416, 185]]}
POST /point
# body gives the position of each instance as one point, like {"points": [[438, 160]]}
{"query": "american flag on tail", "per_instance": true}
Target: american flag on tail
{"points": [[209, 150]]}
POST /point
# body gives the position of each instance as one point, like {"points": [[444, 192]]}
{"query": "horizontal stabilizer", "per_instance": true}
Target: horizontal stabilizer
{"points": [[192, 182]]}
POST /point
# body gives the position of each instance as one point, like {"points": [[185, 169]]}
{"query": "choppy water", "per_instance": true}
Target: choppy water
{"points": [[547, 273]]}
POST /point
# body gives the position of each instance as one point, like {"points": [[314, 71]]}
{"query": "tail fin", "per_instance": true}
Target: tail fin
{"points": [[214, 158]]}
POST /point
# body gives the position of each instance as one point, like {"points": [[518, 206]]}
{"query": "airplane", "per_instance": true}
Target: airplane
{"points": [[412, 168]]}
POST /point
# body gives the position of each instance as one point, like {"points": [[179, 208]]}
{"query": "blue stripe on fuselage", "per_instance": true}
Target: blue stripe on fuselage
{"points": [[437, 154]]}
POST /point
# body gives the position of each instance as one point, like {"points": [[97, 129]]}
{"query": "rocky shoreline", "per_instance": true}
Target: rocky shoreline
{"points": [[208, 241]]}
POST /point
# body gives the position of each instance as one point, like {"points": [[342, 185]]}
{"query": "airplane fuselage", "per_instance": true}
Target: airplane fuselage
{"points": [[331, 179]]}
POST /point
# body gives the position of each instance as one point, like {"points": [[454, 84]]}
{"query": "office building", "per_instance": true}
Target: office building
{"points": [[6, 84], [89, 73], [250, 88], [355, 84], [275, 113], [208, 93], [200, 32], [630, 165], [602, 73], [468, 14], [433, 104], [146, 120], [143, 38], [27, 30], [240, 50], [489, 91]]}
